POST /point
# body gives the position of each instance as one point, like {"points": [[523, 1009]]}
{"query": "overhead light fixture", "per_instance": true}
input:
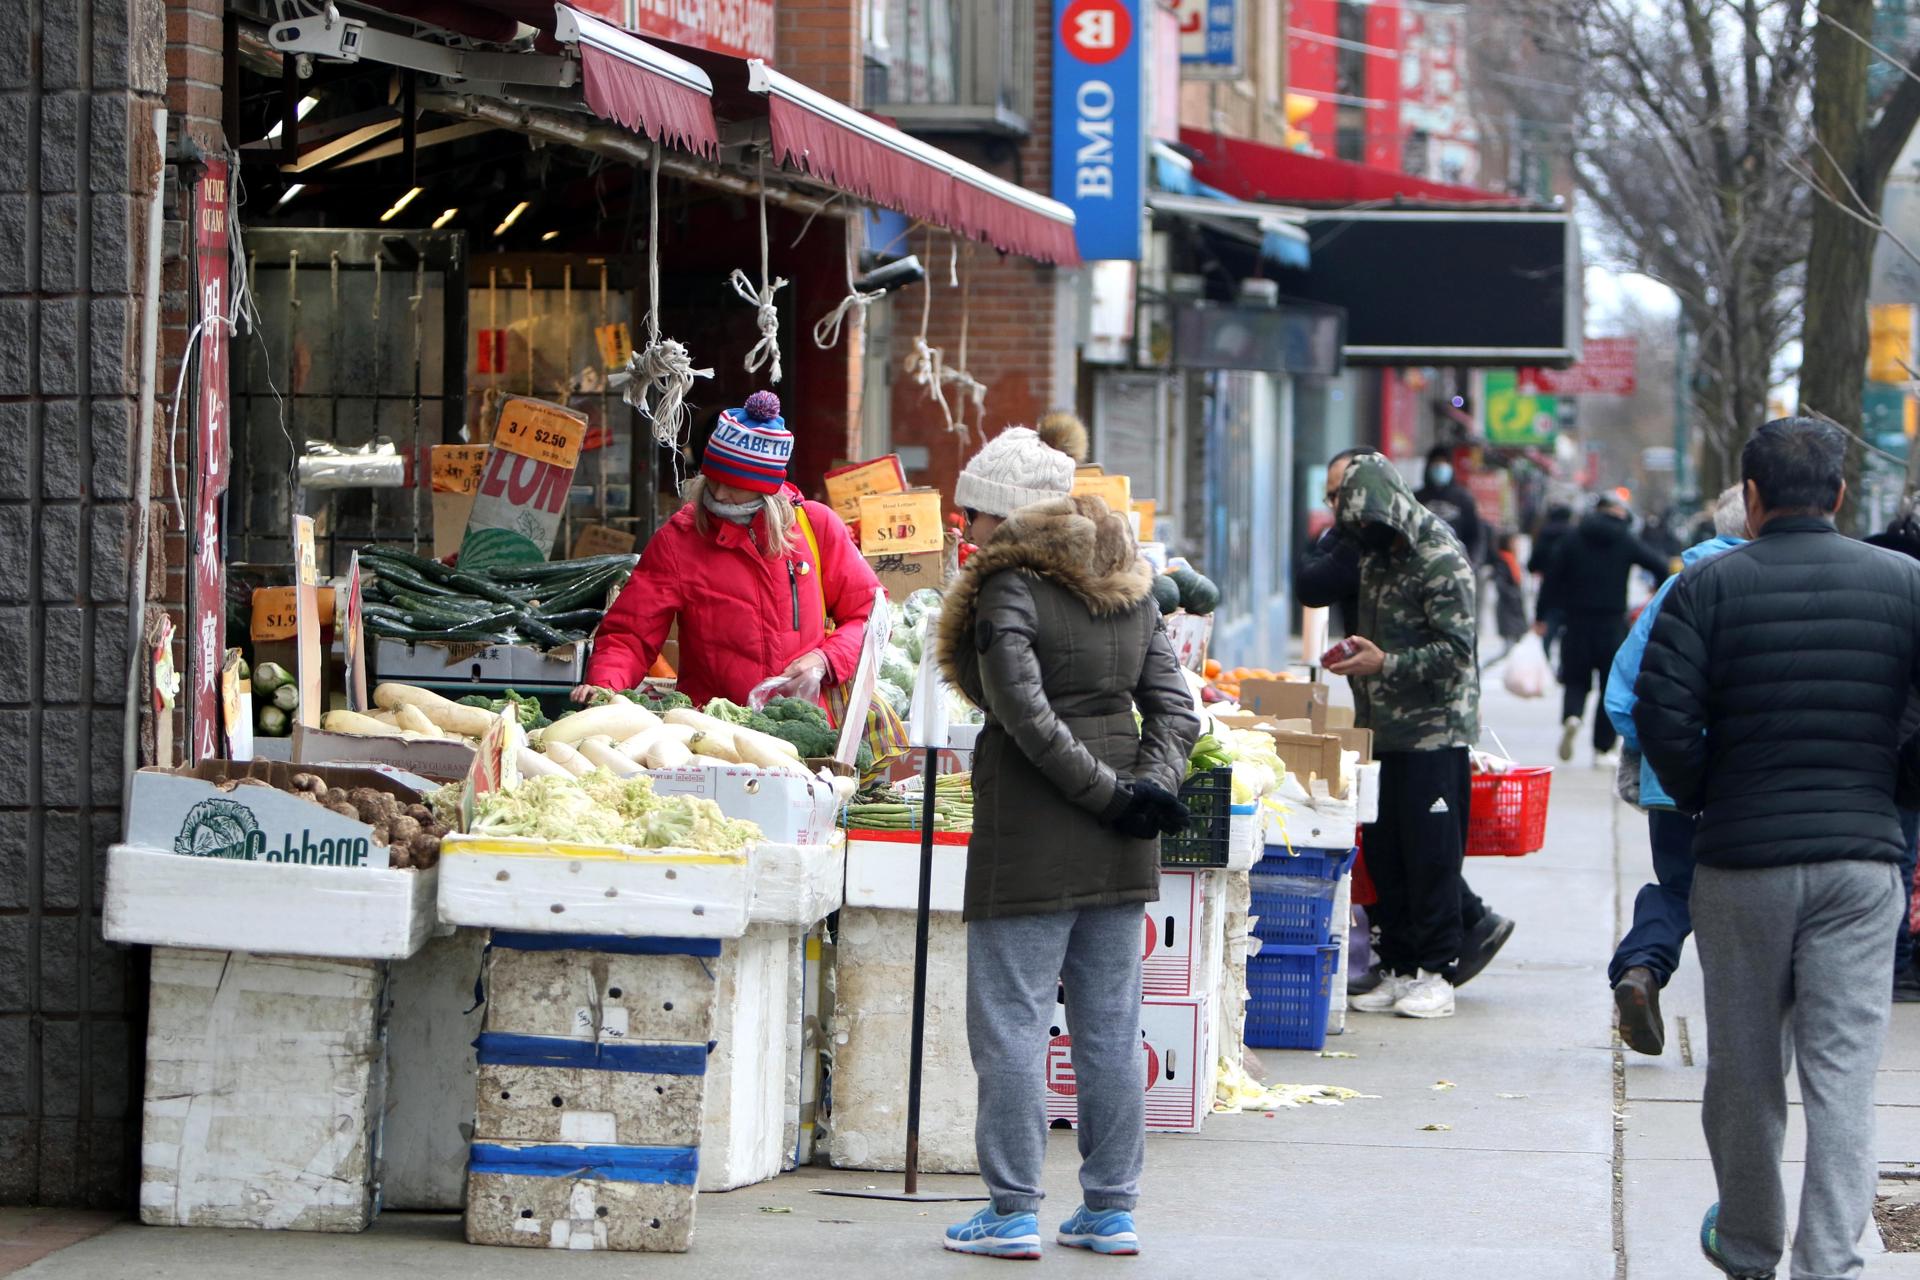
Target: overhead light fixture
{"points": [[305, 105], [551, 235], [444, 218], [510, 219], [290, 193], [400, 204]]}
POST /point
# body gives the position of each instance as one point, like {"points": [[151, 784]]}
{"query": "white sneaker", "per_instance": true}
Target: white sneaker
{"points": [[1569, 732], [1607, 759], [1428, 995], [1383, 998]]}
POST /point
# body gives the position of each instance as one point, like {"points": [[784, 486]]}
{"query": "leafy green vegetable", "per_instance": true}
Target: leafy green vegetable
{"points": [[657, 701], [1209, 753], [731, 712], [897, 668], [524, 706]]}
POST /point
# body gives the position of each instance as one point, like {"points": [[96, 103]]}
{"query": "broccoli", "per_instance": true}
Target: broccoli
{"points": [[812, 739], [525, 707], [656, 700]]}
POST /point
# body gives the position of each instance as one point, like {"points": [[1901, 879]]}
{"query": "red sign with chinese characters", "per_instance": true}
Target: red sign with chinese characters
{"points": [[1608, 367], [738, 28], [206, 611]]}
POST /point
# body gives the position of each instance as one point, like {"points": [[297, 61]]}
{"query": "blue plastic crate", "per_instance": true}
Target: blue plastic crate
{"points": [[1293, 896], [1289, 990]]}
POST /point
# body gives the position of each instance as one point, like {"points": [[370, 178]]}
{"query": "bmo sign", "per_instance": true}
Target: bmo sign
{"points": [[1099, 142]]}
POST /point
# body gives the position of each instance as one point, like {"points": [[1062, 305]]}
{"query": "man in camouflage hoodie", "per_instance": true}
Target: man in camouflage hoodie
{"points": [[1416, 683]]}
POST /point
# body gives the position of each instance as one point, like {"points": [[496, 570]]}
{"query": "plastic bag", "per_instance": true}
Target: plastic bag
{"points": [[805, 686], [1528, 671]]}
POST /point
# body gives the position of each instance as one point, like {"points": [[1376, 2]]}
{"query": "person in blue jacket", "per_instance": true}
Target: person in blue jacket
{"points": [[1648, 955]]}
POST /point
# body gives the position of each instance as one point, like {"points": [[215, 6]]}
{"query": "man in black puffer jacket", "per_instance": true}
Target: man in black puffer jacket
{"points": [[1773, 702], [1587, 583]]}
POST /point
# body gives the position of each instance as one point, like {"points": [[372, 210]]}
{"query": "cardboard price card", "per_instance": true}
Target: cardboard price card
{"points": [[1116, 491], [541, 431], [457, 467], [1149, 510], [602, 540], [615, 343], [901, 523], [275, 613], [847, 485]]}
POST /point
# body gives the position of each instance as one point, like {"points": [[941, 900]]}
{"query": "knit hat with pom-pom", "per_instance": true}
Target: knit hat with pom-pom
{"points": [[1015, 470], [750, 446], [1064, 431]]}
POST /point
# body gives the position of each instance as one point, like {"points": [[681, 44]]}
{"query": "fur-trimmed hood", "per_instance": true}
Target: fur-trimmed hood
{"points": [[1076, 543]]}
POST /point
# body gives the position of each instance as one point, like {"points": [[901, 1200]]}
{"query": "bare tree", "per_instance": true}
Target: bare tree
{"points": [[1853, 154], [1686, 118]]}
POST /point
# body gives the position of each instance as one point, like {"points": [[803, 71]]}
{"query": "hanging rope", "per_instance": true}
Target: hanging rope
{"points": [[767, 350], [970, 390], [661, 373], [826, 334], [923, 362]]}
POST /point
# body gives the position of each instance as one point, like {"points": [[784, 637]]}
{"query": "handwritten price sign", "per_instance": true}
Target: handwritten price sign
{"points": [[848, 485], [541, 431], [275, 613], [901, 523], [457, 467], [1116, 490]]}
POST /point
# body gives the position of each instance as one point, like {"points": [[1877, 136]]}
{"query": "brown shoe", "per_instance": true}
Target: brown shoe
{"points": [[1637, 997]]}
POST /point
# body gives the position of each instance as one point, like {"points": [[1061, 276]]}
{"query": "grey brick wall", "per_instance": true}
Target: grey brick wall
{"points": [[81, 77]]}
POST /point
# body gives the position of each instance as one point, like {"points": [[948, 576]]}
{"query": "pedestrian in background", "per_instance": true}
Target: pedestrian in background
{"points": [[1550, 618], [1773, 703], [1052, 630], [1509, 595], [1903, 535], [1416, 684], [1588, 582], [1446, 497], [1646, 958]]}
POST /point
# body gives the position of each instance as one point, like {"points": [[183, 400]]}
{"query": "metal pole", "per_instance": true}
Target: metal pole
{"points": [[917, 1050], [1682, 462]]}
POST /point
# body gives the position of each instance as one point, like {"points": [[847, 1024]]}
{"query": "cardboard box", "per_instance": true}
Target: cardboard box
{"points": [[1190, 635], [1181, 953], [1311, 755], [427, 660], [183, 811], [1339, 717], [787, 809], [438, 759], [1180, 1065], [1358, 741], [1287, 700], [901, 576]]}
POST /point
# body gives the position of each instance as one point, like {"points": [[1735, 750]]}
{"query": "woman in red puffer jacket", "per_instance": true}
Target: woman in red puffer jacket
{"points": [[751, 572]]}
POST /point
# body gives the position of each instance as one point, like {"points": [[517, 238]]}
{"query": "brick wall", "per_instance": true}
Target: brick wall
{"points": [[80, 80]]}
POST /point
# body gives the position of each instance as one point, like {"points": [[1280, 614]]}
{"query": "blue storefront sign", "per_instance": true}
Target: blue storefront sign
{"points": [[1099, 139], [1209, 37]]}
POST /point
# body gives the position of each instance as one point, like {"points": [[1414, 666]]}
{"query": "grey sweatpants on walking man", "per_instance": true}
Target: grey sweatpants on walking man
{"points": [[1014, 966], [1796, 959]]}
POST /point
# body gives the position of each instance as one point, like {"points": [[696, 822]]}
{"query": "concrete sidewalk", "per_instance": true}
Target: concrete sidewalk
{"points": [[1559, 1159]]}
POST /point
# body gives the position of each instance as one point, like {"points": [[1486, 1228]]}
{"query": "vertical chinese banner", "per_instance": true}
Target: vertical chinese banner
{"points": [[206, 602]]}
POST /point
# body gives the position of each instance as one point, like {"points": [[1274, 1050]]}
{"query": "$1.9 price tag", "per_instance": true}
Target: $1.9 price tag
{"points": [[901, 524], [541, 431]]}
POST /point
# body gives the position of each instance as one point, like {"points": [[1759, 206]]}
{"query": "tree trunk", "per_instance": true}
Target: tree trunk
{"points": [[1833, 368]]}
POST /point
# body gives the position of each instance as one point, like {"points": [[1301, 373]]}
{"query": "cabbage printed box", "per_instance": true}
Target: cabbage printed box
{"points": [[251, 813]]}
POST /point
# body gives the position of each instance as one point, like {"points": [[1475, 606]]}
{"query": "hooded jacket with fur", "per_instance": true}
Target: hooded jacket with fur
{"points": [[1051, 630], [1417, 603]]}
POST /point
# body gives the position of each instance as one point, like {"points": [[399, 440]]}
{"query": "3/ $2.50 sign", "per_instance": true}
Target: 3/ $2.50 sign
{"points": [[901, 524]]}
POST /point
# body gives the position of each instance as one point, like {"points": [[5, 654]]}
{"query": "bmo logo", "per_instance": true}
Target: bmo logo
{"points": [[1096, 31]]}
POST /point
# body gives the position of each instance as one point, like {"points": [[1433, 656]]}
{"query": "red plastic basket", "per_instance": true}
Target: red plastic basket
{"points": [[1509, 813]]}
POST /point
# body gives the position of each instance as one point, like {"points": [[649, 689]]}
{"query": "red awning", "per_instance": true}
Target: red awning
{"points": [[1257, 171], [847, 149], [647, 89]]}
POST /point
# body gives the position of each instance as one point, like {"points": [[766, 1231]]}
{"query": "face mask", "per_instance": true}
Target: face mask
{"points": [[740, 513], [1377, 537], [1441, 474]]}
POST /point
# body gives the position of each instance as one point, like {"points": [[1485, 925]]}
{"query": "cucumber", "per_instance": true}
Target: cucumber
{"points": [[539, 632], [399, 577], [475, 585], [591, 588], [549, 570], [452, 608], [573, 619]]}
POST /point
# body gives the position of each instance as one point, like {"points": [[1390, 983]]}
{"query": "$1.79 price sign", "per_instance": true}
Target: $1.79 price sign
{"points": [[541, 431], [901, 524]]}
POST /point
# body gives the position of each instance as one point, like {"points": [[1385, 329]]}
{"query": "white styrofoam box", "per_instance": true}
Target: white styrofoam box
{"points": [[581, 1197], [872, 1020], [797, 1049], [403, 659], [1247, 837], [885, 873], [744, 1139], [798, 884], [816, 1015], [602, 989], [1185, 930], [1181, 1065], [165, 900], [1367, 785], [1342, 919], [566, 665], [547, 887], [625, 1093], [787, 808], [259, 820], [430, 1078], [264, 1091], [1327, 824]]}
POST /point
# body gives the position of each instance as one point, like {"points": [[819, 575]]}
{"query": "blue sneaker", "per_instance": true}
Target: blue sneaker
{"points": [[997, 1235], [1710, 1245], [1109, 1231]]}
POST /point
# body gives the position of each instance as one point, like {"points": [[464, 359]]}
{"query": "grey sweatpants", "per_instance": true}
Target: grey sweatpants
{"points": [[1797, 960], [1014, 967]]}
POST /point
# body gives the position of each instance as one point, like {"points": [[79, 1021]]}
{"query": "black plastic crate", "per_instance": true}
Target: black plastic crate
{"points": [[1208, 839]]}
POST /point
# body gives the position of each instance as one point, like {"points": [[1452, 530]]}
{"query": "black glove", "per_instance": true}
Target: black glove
{"points": [[1143, 811]]}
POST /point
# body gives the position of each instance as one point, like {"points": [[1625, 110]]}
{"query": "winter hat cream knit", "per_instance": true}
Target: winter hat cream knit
{"points": [[1015, 470]]}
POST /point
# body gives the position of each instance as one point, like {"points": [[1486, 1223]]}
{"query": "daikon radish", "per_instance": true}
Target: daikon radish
{"points": [[366, 726], [411, 717], [710, 762], [668, 754], [715, 746], [534, 765], [618, 720], [384, 717], [599, 750], [637, 747], [469, 722], [680, 733], [756, 748], [563, 754]]}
